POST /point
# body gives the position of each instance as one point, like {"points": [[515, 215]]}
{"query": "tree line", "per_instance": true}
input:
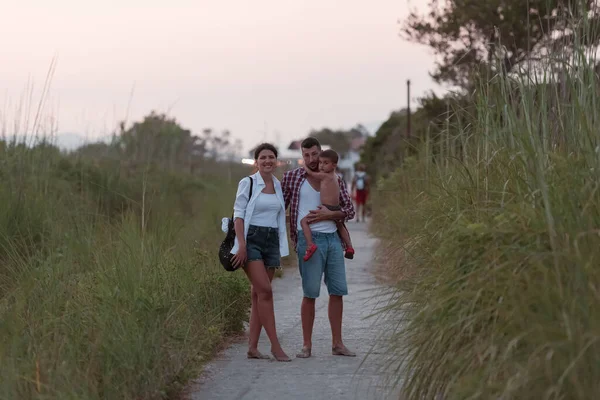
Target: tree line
{"points": [[162, 142], [476, 41]]}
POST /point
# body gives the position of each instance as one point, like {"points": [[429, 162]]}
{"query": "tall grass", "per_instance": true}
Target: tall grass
{"points": [[109, 284], [499, 227]]}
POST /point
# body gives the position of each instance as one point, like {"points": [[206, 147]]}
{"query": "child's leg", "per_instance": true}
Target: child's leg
{"points": [[344, 234], [345, 237], [306, 231], [310, 246]]}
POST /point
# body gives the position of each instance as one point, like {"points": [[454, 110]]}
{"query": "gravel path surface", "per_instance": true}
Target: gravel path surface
{"points": [[323, 376]]}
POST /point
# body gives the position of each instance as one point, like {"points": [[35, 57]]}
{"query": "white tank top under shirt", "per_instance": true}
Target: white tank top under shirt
{"points": [[310, 199], [266, 210]]}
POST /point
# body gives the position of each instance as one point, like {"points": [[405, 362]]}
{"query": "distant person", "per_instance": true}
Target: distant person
{"points": [[360, 187], [300, 191], [260, 242], [329, 190]]}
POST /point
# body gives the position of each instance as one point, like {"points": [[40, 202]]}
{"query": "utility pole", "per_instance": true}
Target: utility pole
{"points": [[408, 133]]}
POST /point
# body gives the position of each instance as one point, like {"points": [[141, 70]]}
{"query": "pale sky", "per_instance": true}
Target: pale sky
{"points": [[227, 64]]}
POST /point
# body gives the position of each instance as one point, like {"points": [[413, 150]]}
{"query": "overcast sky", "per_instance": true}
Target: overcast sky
{"points": [[241, 65]]}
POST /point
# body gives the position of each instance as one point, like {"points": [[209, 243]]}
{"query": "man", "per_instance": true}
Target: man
{"points": [[301, 194], [360, 188]]}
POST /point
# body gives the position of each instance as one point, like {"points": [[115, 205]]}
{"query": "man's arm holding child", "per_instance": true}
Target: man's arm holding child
{"points": [[346, 213]]}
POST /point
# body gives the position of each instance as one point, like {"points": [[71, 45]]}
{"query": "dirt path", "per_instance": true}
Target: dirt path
{"points": [[323, 376]]}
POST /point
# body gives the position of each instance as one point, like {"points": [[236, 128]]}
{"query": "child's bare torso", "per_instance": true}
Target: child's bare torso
{"points": [[330, 190]]}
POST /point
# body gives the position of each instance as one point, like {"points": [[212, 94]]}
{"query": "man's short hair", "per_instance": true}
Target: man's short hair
{"points": [[331, 155], [310, 142]]}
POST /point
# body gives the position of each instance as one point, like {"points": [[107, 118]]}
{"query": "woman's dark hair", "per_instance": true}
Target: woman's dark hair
{"points": [[310, 142], [264, 146]]}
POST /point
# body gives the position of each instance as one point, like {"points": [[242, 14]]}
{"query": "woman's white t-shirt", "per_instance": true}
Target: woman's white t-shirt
{"points": [[266, 210]]}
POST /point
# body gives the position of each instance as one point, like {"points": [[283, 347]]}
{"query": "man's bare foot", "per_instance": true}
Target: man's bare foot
{"points": [[342, 351], [255, 354], [280, 355], [304, 353]]}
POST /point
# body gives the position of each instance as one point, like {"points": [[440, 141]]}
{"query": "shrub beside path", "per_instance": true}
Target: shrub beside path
{"points": [[323, 376]]}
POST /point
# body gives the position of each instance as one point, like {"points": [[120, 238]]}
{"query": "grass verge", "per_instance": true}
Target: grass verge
{"points": [[498, 227], [109, 281]]}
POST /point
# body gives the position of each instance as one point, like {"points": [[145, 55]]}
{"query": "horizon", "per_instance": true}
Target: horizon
{"points": [[269, 71]]}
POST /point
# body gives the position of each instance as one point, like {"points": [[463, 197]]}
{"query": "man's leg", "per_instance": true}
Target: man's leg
{"points": [[364, 211], [307, 314], [335, 311], [311, 272], [360, 205], [335, 279]]}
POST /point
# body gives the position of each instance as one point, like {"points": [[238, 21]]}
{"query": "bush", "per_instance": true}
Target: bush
{"points": [[109, 282], [500, 289]]}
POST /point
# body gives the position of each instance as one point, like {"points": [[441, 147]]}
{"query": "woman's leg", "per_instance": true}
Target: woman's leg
{"points": [[255, 325], [259, 278]]}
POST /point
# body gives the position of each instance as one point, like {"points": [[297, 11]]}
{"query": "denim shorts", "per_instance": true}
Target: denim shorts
{"points": [[328, 260], [262, 243]]}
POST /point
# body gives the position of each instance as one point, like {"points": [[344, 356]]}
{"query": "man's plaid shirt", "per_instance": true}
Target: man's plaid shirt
{"points": [[291, 183]]}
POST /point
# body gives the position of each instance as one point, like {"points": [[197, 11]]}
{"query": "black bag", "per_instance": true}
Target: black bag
{"points": [[227, 244]]}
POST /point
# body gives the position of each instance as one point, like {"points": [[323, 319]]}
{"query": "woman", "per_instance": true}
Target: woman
{"points": [[261, 241]]}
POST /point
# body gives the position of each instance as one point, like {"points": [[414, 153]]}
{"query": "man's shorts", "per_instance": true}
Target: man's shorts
{"points": [[328, 260]]}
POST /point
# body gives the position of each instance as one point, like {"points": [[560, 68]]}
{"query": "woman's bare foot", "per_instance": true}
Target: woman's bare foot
{"points": [[280, 355], [255, 354]]}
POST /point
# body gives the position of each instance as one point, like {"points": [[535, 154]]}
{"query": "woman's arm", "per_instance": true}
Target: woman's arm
{"points": [[239, 213], [241, 199], [239, 258]]}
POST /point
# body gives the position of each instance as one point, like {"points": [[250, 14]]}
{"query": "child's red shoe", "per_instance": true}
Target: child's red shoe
{"points": [[309, 252], [349, 253]]}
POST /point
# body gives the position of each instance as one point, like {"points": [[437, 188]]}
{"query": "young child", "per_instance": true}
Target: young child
{"points": [[330, 198]]}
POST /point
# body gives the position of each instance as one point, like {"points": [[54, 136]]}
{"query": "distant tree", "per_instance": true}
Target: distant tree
{"points": [[359, 130], [161, 141], [469, 35], [434, 120], [339, 140], [99, 150]]}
